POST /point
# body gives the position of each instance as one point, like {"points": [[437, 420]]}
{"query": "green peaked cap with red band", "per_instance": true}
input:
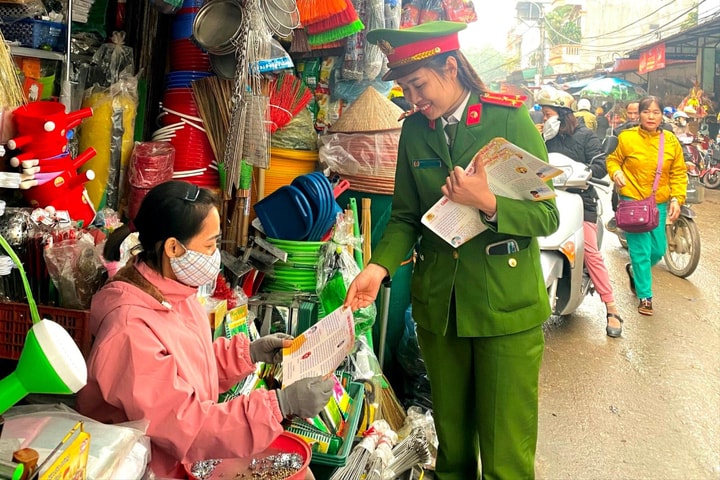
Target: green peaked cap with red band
{"points": [[405, 46]]}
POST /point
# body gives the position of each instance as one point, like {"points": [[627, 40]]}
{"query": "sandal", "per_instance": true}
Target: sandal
{"points": [[614, 332], [628, 269]]}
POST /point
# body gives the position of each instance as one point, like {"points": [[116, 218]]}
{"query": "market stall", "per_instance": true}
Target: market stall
{"points": [[276, 106]]}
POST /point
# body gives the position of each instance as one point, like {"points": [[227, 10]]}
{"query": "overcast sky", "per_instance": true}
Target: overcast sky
{"points": [[492, 27]]}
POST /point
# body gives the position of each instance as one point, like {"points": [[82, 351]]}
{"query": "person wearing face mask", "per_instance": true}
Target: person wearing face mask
{"points": [[153, 357], [680, 123], [564, 135], [479, 306]]}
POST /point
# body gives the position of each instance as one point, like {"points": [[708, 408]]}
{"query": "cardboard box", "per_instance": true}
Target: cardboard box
{"points": [[71, 463]]}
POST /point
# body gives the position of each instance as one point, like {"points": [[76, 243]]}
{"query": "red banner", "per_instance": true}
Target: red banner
{"points": [[652, 59]]}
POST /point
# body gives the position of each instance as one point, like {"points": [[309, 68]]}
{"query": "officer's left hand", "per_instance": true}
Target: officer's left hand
{"points": [[472, 190], [268, 349]]}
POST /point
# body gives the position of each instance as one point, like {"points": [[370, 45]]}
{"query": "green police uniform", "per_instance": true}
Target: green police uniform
{"points": [[479, 316]]}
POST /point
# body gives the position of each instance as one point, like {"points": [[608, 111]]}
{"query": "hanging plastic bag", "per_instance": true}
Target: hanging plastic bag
{"points": [[416, 382], [76, 269], [336, 270], [112, 60]]}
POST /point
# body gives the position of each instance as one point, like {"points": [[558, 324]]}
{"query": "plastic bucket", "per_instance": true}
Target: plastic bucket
{"points": [[287, 164], [285, 443]]}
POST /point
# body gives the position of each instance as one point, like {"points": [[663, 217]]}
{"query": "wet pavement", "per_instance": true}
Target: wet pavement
{"points": [[646, 405]]}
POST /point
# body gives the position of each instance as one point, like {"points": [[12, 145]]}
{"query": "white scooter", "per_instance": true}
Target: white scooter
{"points": [[562, 254]]}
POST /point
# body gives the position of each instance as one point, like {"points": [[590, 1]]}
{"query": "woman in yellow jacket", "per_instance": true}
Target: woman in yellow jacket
{"points": [[632, 167]]}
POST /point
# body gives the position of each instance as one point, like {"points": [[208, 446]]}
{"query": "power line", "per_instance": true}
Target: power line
{"points": [[611, 46]]}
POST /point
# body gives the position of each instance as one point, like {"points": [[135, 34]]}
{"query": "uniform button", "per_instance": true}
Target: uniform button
{"points": [[456, 255], [512, 262]]}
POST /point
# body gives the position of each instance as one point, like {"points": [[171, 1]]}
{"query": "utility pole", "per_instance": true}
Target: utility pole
{"points": [[541, 49]]}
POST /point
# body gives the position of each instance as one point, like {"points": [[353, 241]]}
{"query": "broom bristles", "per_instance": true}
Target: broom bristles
{"points": [[336, 33], [315, 10]]}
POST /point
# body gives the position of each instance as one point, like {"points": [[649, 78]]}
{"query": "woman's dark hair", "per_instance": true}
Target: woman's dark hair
{"points": [[568, 121], [172, 209], [467, 76], [645, 103]]}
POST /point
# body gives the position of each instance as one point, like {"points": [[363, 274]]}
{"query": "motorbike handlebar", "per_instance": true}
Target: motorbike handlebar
{"points": [[603, 183]]}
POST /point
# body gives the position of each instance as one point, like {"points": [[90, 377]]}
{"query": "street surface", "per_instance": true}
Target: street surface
{"points": [[646, 405]]}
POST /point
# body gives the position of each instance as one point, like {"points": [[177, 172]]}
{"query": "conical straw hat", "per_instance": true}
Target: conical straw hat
{"points": [[371, 112]]}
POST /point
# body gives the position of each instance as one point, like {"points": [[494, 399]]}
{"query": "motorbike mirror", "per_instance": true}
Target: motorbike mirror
{"points": [[610, 143]]}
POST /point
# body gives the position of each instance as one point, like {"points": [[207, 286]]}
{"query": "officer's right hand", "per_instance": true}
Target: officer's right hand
{"points": [[305, 398], [364, 288]]}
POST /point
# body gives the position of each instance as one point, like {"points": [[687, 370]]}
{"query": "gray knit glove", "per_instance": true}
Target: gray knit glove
{"points": [[305, 398], [268, 349]]}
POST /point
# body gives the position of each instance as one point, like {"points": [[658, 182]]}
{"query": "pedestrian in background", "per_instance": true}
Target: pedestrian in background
{"points": [[583, 112], [603, 125], [632, 167], [582, 145], [479, 308], [632, 118]]}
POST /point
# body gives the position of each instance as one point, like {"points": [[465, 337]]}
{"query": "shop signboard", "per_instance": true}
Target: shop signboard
{"points": [[652, 59]]}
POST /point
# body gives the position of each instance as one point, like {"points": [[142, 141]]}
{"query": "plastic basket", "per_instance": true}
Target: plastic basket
{"points": [[35, 34], [357, 392], [15, 322]]}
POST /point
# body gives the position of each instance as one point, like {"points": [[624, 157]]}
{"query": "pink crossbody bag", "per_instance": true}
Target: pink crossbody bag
{"points": [[639, 216]]}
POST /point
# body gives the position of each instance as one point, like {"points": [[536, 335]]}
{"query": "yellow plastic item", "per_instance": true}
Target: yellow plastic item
{"points": [[96, 132]]}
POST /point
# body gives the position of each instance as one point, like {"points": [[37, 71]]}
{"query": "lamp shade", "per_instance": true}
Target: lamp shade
{"points": [[50, 362]]}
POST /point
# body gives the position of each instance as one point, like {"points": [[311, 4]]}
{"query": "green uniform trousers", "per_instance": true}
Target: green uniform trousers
{"points": [[485, 402]]}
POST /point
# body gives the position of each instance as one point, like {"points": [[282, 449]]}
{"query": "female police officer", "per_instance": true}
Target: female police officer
{"points": [[478, 310]]}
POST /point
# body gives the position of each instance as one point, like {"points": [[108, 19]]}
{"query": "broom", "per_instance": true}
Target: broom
{"points": [[288, 95], [314, 10]]}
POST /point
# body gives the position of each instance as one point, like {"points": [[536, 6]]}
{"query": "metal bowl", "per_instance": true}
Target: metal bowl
{"points": [[224, 66], [217, 26]]}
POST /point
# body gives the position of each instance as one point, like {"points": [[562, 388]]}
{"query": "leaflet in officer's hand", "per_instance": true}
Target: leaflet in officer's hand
{"points": [[320, 349], [512, 172]]}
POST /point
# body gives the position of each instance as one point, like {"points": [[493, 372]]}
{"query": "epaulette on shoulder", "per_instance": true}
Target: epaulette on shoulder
{"points": [[503, 99]]}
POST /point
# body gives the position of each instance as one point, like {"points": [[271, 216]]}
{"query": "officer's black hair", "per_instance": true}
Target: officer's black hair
{"points": [[467, 76]]}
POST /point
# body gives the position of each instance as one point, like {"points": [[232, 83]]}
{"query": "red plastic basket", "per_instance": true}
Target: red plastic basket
{"points": [[15, 322], [287, 443]]}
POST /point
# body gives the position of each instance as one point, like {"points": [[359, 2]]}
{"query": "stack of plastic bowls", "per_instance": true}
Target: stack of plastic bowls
{"points": [[299, 272]]}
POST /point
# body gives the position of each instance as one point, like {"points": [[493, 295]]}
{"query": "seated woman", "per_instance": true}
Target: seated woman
{"points": [[153, 357]]}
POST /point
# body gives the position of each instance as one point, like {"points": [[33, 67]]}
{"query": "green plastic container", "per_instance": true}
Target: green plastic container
{"points": [[357, 392]]}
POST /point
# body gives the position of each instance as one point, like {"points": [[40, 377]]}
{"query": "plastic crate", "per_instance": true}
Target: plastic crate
{"points": [[15, 322], [35, 34], [357, 392]]}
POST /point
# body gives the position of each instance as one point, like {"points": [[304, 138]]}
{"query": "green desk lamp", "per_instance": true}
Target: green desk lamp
{"points": [[50, 362]]}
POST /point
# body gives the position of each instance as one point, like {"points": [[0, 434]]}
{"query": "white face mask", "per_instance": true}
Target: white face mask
{"points": [[682, 121], [194, 268], [551, 127]]}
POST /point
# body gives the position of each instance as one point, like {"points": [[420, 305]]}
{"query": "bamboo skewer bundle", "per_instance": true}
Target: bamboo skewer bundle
{"points": [[413, 450], [357, 460], [366, 231], [11, 93], [213, 97]]}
